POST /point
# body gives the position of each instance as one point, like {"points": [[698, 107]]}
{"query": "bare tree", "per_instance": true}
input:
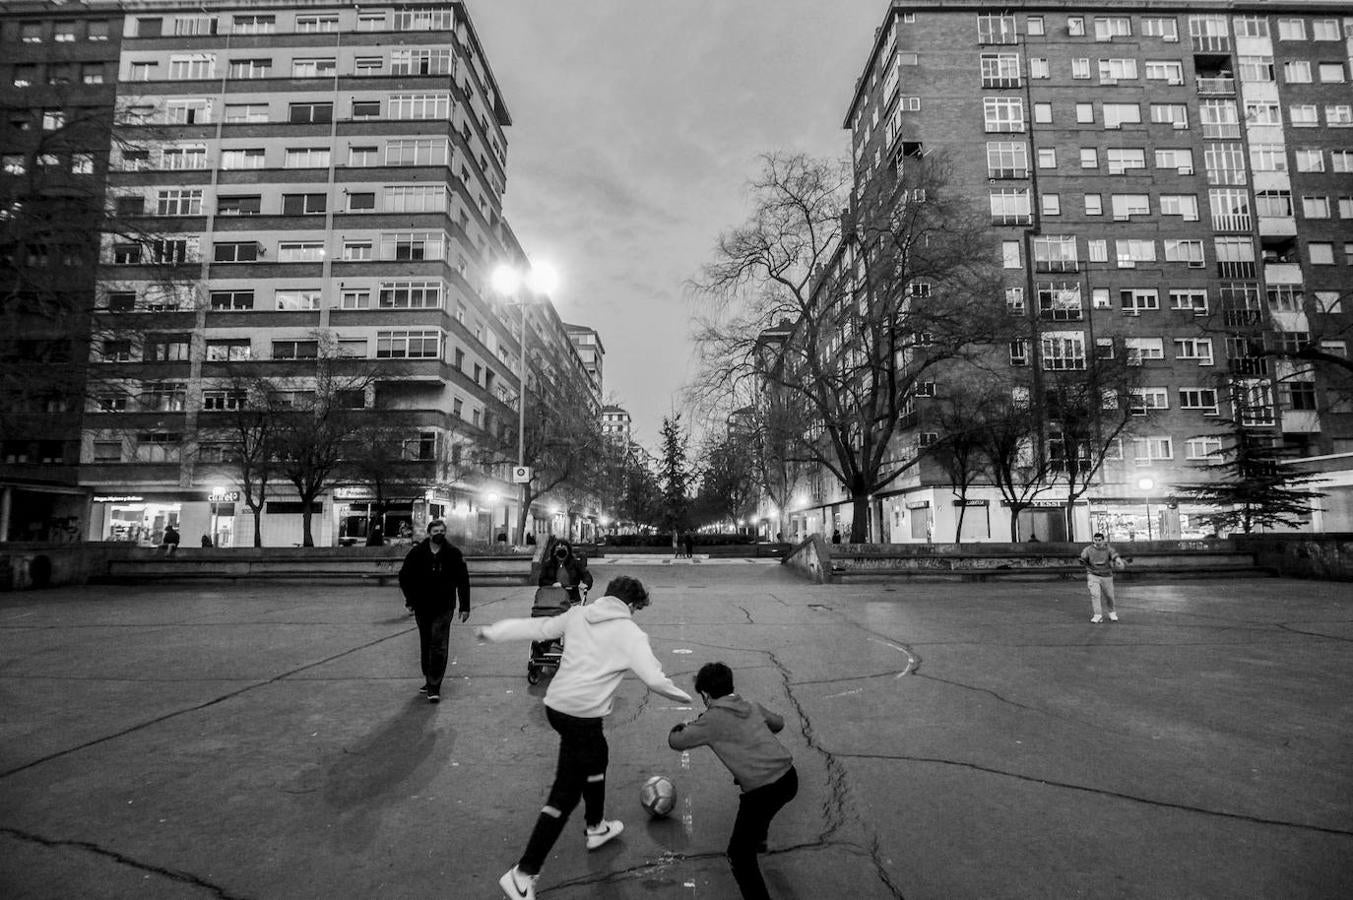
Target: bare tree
{"points": [[875, 293]]}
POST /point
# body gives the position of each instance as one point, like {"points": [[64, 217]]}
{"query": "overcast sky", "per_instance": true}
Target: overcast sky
{"points": [[636, 125]]}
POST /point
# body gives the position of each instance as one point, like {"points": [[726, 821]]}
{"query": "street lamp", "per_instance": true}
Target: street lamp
{"points": [[1146, 484], [507, 282], [218, 494]]}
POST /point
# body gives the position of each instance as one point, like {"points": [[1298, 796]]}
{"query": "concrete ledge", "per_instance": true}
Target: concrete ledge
{"points": [[315, 564]]}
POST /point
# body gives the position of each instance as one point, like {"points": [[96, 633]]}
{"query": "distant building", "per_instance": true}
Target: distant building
{"points": [[616, 425], [587, 341], [292, 183]]}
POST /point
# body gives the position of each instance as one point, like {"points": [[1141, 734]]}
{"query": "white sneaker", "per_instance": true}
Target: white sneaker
{"points": [[518, 886], [1113, 617], [603, 832], [1096, 619]]}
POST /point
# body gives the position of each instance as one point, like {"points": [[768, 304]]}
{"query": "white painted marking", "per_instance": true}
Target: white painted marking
{"points": [[844, 694], [685, 760], [683, 651]]}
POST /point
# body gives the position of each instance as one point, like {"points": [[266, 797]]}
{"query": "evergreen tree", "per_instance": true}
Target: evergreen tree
{"points": [[1249, 487], [673, 475]]}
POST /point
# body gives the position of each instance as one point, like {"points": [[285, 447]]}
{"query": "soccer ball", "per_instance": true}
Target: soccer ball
{"points": [[658, 796]]}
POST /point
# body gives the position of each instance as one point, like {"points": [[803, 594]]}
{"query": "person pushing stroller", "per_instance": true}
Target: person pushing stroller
{"points": [[561, 568]]}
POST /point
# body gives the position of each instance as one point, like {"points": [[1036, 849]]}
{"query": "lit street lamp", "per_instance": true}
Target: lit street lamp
{"points": [[1146, 484], [507, 282]]}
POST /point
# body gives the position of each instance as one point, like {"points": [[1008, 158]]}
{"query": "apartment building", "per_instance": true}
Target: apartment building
{"points": [[310, 197], [1168, 184], [617, 425], [58, 73]]}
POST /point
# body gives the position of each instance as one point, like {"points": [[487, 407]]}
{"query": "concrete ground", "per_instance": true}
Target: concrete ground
{"points": [[953, 740]]}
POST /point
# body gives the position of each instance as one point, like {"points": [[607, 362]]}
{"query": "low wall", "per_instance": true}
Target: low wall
{"points": [[1328, 557]]}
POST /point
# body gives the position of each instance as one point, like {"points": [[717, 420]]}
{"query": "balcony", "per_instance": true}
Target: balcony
{"points": [[1277, 226], [1236, 268], [1211, 43], [1282, 273], [1217, 87]]}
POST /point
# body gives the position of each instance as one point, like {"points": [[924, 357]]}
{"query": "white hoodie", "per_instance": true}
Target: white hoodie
{"points": [[601, 643]]}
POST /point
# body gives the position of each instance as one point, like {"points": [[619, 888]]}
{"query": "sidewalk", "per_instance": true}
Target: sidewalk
{"points": [[953, 741]]}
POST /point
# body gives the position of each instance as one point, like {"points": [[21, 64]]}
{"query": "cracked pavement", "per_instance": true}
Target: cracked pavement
{"points": [[952, 740]]}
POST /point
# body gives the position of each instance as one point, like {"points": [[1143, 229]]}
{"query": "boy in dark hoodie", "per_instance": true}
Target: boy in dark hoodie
{"points": [[742, 734]]}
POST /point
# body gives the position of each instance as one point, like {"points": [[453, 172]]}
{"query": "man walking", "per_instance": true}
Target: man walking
{"points": [[1100, 560], [432, 579]]}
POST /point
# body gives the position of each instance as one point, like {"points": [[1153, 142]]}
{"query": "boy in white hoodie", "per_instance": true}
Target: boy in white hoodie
{"points": [[601, 643], [742, 734]]}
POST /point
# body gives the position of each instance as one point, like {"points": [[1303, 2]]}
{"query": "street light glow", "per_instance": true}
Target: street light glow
{"points": [[505, 280], [542, 278], [1145, 484]]}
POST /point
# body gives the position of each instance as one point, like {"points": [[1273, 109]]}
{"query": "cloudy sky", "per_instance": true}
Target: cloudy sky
{"points": [[636, 125]]}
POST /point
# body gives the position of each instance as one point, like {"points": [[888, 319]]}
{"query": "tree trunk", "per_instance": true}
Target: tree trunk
{"points": [[1014, 523], [859, 527], [258, 524], [958, 529], [1070, 516], [307, 539]]}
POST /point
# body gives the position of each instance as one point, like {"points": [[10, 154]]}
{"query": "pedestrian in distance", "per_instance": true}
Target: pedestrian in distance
{"points": [[207, 541], [1101, 561], [562, 568], [376, 536], [836, 536], [742, 734], [170, 540], [601, 643], [434, 580], [688, 540]]}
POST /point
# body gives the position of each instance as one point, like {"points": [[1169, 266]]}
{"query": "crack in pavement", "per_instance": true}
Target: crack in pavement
{"points": [[221, 699], [1103, 792], [746, 613], [172, 874]]}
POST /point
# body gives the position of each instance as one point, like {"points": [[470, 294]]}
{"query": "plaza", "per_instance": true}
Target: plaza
{"points": [[255, 740]]}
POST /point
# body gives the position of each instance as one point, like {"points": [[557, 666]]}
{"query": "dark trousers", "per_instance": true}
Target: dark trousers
{"points": [[755, 810], [434, 641], [579, 774]]}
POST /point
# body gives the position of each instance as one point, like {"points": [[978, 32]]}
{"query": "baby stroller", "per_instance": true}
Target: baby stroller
{"points": [[549, 601]]}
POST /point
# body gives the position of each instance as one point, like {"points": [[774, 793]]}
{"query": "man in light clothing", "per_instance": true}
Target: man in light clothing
{"points": [[1100, 561]]}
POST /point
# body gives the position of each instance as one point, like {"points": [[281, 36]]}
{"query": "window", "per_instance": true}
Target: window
{"points": [[426, 62], [412, 245], [363, 156], [314, 24], [1063, 350], [1341, 160], [304, 204], [425, 20], [1315, 207], [411, 294], [1010, 206], [1143, 400], [1169, 71], [307, 158], [1010, 255], [1112, 71], [91, 73], [229, 350], [408, 344], [1055, 253], [1085, 113], [1310, 160], [254, 24], [1125, 206], [1268, 158], [1304, 115], [1291, 29], [217, 400], [358, 250], [1202, 448], [1075, 26], [370, 21], [1038, 68], [1121, 159], [121, 301], [202, 24], [1135, 300], [1089, 158], [417, 152], [295, 349], [1047, 158], [247, 158], [1190, 300], [1132, 251], [245, 113], [1219, 119], [1183, 205], [235, 251], [420, 106], [1014, 301], [300, 251], [1059, 301], [1019, 353], [126, 254], [366, 109], [184, 157], [997, 29], [361, 201], [355, 298], [225, 301], [1322, 253], [310, 113], [1033, 25], [314, 67], [166, 348], [245, 205], [1204, 399], [1094, 205], [1194, 348], [191, 66], [1139, 349], [1185, 251], [416, 198], [1109, 27], [1176, 115], [1052, 204], [1080, 68], [296, 298], [1339, 115], [1003, 113], [1043, 113], [249, 68], [1297, 71], [1181, 160], [1007, 159], [1256, 69], [179, 202]]}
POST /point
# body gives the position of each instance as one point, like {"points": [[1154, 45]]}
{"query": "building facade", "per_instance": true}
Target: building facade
{"points": [[1170, 185], [310, 203]]}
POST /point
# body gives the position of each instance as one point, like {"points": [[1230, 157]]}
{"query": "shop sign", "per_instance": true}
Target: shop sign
{"points": [[123, 499], [972, 502], [1038, 504], [918, 504]]}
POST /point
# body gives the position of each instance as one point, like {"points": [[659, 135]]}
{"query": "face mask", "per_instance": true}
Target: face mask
{"points": [[439, 539], [561, 554]]}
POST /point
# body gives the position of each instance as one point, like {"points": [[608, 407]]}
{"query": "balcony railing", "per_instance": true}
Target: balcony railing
{"points": [[1215, 86]]}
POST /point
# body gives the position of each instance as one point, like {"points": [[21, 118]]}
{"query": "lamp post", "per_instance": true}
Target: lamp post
{"points": [[507, 282], [217, 496], [1146, 484]]}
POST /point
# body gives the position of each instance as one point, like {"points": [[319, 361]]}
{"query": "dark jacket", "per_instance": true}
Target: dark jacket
{"points": [[432, 582], [574, 568], [171, 536]]}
